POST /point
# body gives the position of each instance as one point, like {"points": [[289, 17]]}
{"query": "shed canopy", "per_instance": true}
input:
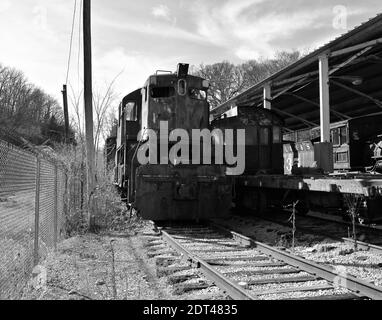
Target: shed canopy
{"points": [[355, 76]]}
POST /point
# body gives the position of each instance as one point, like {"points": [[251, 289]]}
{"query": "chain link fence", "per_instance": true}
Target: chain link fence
{"points": [[33, 200]]}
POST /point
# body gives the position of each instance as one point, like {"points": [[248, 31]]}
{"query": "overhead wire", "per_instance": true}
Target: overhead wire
{"points": [[71, 41], [79, 46]]}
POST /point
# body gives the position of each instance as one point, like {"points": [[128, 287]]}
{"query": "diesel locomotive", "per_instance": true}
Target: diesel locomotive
{"points": [[164, 188]]}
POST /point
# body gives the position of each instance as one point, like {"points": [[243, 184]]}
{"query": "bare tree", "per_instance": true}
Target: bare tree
{"points": [[27, 110], [257, 70], [227, 80], [75, 100], [104, 106]]}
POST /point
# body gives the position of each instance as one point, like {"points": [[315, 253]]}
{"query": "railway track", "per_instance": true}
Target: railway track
{"points": [[332, 229], [249, 270]]}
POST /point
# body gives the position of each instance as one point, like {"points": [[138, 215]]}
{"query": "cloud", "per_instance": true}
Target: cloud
{"points": [[245, 53], [134, 68], [5, 5], [162, 11], [154, 30], [252, 28], [40, 23]]}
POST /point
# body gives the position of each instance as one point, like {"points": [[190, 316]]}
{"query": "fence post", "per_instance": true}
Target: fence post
{"points": [[36, 257], [55, 220]]}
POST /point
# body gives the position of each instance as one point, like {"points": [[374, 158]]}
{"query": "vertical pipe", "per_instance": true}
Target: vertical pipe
{"points": [[37, 213], [324, 98]]}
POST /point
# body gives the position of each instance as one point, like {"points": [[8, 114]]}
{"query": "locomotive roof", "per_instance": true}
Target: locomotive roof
{"points": [[358, 53], [134, 95], [248, 115]]}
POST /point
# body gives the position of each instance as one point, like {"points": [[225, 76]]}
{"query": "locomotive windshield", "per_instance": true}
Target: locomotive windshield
{"points": [[162, 92], [197, 94]]}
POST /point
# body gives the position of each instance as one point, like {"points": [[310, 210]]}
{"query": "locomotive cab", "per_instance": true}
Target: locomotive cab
{"points": [[178, 99], [129, 119], [164, 189]]}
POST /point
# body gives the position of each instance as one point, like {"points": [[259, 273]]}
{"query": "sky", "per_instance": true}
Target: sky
{"points": [[131, 39]]}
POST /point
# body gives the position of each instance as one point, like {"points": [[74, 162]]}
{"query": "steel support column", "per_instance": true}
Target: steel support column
{"points": [[267, 96], [324, 98]]}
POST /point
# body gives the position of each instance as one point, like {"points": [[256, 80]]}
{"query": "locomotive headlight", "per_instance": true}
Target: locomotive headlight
{"points": [[205, 84]]}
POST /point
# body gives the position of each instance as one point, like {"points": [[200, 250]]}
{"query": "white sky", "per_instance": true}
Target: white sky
{"points": [[140, 37]]}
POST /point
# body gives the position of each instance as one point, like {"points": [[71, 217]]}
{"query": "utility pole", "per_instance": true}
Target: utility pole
{"points": [[90, 152], [66, 113]]}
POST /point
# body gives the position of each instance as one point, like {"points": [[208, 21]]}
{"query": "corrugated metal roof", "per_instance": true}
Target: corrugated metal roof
{"points": [[345, 103]]}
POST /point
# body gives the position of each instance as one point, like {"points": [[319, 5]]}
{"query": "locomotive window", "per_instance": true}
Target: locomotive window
{"points": [[197, 94], [276, 135], [130, 111], [264, 136], [334, 137], [162, 92], [182, 87], [343, 135], [342, 157]]}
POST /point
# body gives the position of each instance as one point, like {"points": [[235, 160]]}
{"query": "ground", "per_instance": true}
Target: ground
{"points": [[128, 265], [104, 266]]}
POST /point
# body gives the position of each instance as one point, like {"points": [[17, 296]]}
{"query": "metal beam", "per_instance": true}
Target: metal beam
{"points": [[300, 79], [288, 88], [345, 63], [336, 113], [289, 80], [324, 98], [288, 130], [376, 101], [356, 47], [267, 96], [315, 73], [307, 122]]}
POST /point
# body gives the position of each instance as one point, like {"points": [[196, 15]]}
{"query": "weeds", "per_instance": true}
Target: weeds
{"points": [[353, 203]]}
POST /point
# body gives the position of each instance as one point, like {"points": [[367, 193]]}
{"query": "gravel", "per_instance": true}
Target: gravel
{"points": [[273, 286], [364, 265], [302, 294]]}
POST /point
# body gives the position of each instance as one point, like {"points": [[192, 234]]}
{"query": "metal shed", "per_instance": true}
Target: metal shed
{"points": [[338, 81]]}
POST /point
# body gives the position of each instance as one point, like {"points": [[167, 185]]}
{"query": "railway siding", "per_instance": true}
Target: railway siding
{"points": [[365, 185], [245, 271], [313, 244]]}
